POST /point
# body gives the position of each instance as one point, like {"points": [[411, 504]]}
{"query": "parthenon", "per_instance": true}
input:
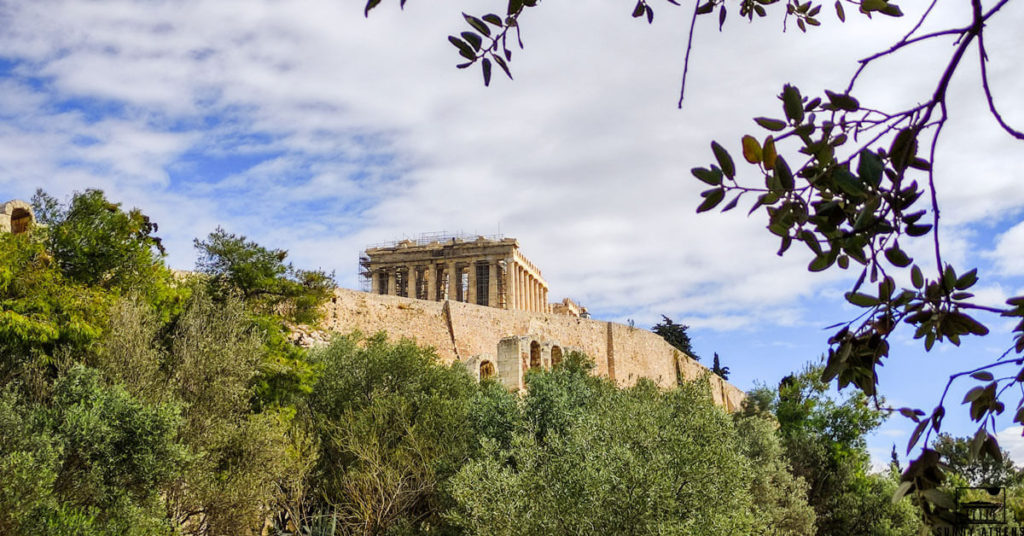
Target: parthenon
{"points": [[489, 271]]}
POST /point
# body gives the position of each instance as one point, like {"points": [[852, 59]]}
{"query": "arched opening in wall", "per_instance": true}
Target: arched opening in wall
{"points": [[534, 354], [486, 370], [20, 220], [556, 356]]}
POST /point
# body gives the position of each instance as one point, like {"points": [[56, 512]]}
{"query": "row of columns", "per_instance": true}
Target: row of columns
{"points": [[439, 290], [528, 293], [523, 291]]}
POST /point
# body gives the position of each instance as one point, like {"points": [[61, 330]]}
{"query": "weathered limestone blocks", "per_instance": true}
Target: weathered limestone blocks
{"points": [[506, 344], [16, 216]]}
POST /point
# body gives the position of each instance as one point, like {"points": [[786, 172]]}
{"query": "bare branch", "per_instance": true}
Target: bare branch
{"points": [[689, 46]]}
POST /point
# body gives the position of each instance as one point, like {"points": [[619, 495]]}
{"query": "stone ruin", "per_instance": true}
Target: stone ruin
{"points": [[16, 217], [490, 271]]}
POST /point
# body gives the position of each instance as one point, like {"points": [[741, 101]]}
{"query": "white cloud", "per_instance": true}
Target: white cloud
{"points": [[307, 126], [1007, 254], [1010, 440]]}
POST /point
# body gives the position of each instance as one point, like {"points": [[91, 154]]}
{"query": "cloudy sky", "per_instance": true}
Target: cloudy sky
{"points": [[303, 125]]}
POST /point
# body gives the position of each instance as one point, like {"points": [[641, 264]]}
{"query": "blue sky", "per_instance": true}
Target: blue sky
{"points": [[306, 126]]}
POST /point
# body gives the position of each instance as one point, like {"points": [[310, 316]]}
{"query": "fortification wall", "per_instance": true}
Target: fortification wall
{"points": [[471, 333]]}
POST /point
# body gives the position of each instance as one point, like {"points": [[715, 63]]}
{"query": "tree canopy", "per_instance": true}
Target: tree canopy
{"points": [[676, 335]]}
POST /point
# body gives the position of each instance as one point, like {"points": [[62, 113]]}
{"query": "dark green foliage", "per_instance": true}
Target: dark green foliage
{"points": [[675, 334], [115, 449], [95, 243], [558, 400], [718, 369], [593, 459], [285, 375], [976, 470], [262, 278], [823, 439], [275, 293], [393, 426], [780, 498], [128, 395], [92, 462], [42, 313]]}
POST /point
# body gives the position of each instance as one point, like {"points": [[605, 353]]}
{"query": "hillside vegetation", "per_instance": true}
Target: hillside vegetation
{"points": [[137, 402]]}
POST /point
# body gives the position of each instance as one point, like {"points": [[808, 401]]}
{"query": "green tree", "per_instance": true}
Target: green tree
{"points": [[132, 402], [93, 461], [976, 471], [262, 278], [780, 498], [207, 360], [276, 293], [593, 459], [676, 335], [718, 369], [392, 426], [43, 315], [212, 361], [824, 441], [96, 243]]}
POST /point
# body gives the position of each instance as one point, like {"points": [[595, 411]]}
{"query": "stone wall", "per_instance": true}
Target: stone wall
{"points": [[471, 334]]}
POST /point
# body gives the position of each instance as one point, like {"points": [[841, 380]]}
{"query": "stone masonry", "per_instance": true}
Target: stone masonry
{"points": [[482, 271], [16, 216], [505, 344]]}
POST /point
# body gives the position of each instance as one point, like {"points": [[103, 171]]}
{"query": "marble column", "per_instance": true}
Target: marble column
{"points": [[471, 283], [375, 282], [531, 292], [432, 282], [414, 281], [451, 290], [510, 283], [392, 287], [523, 306]]}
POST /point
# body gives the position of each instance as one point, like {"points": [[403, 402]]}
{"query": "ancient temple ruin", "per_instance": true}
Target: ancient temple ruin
{"points": [[16, 217], [490, 271]]}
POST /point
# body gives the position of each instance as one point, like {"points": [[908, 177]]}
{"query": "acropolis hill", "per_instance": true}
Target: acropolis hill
{"points": [[481, 302]]}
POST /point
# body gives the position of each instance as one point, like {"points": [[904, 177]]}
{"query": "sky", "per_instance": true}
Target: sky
{"points": [[306, 126]]}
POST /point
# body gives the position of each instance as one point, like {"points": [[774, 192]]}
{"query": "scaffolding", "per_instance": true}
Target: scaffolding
{"points": [[441, 237], [365, 275]]}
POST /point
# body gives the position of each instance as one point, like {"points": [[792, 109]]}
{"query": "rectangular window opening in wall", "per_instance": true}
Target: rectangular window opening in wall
{"points": [[483, 282]]}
